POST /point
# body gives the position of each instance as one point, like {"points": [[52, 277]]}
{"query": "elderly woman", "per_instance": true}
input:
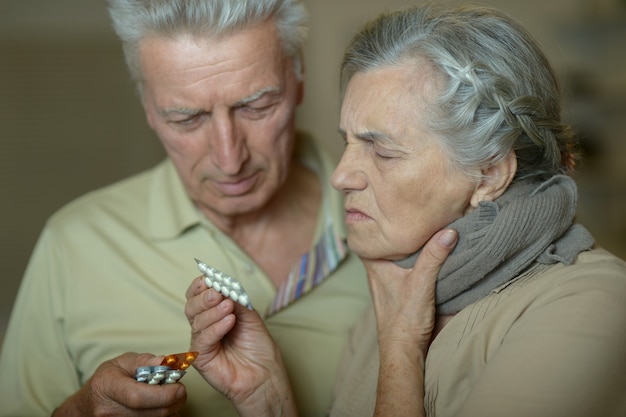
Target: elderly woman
{"points": [[452, 125], [453, 118]]}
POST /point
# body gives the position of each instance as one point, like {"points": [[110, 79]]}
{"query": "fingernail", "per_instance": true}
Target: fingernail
{"points": [[448, 237]]}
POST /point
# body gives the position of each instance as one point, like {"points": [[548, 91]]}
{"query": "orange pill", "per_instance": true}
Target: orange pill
{"points": [[180, 361]]}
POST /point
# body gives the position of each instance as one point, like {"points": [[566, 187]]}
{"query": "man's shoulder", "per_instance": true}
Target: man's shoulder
{"points": [[127, 197]]}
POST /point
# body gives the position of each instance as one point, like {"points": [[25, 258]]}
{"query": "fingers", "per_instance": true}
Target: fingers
{"points": [[437, 249], [404, 300], [113, 390], [435, 252], [140, 396], [429, 263], [214, 322], [196, 287], [200, 299], [210, 316]]}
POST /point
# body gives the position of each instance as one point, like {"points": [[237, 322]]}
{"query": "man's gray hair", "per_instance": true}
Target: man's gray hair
{"points": [[134, 20], [498, 94]]}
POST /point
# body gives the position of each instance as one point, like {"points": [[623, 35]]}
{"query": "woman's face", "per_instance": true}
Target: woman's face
{"points": [[399, 184]]}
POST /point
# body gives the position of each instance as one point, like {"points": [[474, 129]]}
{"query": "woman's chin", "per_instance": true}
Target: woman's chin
{"points": [[370, 254]]}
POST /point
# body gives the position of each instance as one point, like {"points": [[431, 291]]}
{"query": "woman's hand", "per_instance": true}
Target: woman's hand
{"points": [[404, 301], [237, 355]]}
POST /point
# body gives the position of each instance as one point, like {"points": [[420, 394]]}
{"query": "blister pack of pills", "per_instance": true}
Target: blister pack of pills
{"points": [[224, 283], [171, 370], [155, 375]]}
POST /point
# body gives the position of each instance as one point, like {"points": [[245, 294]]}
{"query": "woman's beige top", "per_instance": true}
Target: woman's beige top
{"points": [[551, 343]]}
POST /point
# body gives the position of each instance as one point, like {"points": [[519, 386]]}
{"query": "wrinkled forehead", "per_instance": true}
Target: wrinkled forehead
{"points": [[392, 102], [257, 45]]}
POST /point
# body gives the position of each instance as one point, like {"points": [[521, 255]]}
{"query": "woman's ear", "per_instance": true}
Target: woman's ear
{"points": [[495, 180]]}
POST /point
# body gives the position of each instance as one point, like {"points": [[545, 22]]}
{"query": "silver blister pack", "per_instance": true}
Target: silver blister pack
{"points": [[225, 284]]}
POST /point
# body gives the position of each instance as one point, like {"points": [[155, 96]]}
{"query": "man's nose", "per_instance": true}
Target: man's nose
{"points": [[229, 151]]}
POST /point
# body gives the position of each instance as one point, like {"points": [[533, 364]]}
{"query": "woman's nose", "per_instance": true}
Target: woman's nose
{"points": [[347, 175]]}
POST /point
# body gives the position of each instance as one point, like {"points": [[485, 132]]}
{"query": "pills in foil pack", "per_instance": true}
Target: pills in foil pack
{"points": [[225, 284], [171, 370], [156, 375]]}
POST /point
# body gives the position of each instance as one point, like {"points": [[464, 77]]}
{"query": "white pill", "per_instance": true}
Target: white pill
{"points": [[142, 373], [243, 300], [225, 284], [172, 376], [156, 378], [202, 266]]}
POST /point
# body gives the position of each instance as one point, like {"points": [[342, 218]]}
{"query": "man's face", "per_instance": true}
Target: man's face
{"points": [[224, 110]]}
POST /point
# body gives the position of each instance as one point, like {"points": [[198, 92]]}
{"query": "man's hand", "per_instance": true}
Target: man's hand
{"points": [[237, 355], [113, 391]]}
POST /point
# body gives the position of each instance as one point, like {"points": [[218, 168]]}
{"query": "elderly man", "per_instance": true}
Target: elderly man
{"points": [[241, 190]]}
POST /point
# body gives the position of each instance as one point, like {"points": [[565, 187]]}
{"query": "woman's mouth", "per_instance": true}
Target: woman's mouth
{"points": [[354, 215]]}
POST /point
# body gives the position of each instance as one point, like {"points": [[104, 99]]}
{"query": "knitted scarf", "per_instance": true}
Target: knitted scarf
{"points": [[529, 223]]}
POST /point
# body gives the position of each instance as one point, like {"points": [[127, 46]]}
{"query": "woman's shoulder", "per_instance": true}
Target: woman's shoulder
{"points": [[558, 329], [594, 268], [600, 257], [596, 276], [546, 292]]}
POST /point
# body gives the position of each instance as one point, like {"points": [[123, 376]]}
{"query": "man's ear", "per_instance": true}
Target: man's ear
{"points": [[495, 180], [146, 110], [300, 96], [149, 119]]}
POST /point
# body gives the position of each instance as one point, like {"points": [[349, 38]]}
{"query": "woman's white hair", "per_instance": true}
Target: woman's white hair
{"points": [[498, 94]]}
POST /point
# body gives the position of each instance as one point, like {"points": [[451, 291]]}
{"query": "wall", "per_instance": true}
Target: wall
{"points": [[70, 122]]}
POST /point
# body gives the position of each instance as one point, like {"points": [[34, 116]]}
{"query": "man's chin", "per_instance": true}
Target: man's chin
{"points": [[236, 206]]}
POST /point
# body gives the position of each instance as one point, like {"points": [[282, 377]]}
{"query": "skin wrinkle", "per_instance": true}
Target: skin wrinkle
{"points": [[395, 204], [225, 74], [243, 102], [206, 153], [236, 161]]}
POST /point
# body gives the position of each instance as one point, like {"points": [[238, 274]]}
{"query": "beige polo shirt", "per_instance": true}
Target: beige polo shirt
{"points": [[109, 275]]}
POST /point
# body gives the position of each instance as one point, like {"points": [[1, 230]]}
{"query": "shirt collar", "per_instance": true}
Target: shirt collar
{"points": [[171, 211]]}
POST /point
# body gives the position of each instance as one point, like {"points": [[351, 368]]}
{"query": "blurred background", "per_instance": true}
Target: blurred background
{"points": [[70, 121]]}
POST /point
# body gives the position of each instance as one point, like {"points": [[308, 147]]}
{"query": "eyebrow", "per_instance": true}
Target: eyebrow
{"points": [[369, 135], [257, 95], [246, 100], [181, 110]]}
